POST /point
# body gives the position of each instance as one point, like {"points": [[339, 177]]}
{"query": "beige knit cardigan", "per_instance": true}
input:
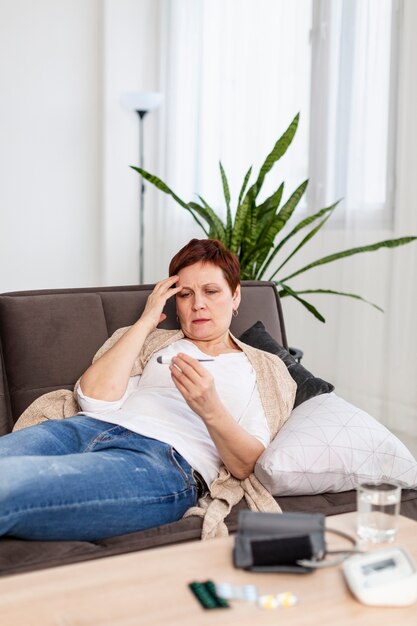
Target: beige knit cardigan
{"points": [[277, 391]]}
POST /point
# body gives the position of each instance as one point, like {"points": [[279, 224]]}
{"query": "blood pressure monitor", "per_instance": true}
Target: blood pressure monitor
{"points": [[382, 578]]}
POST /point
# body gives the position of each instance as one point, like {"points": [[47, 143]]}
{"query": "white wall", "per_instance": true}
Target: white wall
{"points": [[68, 199], [130, 63], [50, 143]]}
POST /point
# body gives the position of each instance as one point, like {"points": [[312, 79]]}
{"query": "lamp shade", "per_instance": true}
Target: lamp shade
{"points": [[142, 100]]}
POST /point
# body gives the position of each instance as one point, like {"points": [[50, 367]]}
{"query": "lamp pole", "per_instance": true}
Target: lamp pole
{"points": [[142, 102], [141, 114]]}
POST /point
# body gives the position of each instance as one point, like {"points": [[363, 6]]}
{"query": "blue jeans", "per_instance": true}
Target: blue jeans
{"points": [[84, 479]]}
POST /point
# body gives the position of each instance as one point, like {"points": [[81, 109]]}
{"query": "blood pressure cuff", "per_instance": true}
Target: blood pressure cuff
{"points": [[275, 542]]}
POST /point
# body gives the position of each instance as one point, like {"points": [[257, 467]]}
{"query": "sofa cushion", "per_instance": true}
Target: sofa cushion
{"points": [[46, 348], [329, 445], [308, 385]]}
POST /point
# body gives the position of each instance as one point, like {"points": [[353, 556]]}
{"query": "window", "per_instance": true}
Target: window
{"points": [[237, 71], [353, 105]]}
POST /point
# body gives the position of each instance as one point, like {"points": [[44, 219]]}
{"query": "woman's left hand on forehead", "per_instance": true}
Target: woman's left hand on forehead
{"points": [[153, 312]]}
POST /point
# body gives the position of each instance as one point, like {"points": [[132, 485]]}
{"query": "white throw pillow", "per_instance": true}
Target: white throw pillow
{"points": [[329, 445]]}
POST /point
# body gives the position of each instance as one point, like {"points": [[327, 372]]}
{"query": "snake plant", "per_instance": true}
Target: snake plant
{"points": [[252, 233]]}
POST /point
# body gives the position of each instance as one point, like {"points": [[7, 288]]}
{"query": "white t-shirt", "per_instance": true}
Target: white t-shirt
{"points": [[153, 406]]}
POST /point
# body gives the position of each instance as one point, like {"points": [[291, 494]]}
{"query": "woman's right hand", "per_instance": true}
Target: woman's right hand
{"points": [[108, 377], [153, 312]]}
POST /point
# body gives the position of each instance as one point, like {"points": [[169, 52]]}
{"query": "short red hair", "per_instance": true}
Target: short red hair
{"points": [[208, 251]]}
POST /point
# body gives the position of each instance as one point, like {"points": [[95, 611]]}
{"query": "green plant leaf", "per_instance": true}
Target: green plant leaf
{"points": [[342, 293], [389, 243], [226, 192], [280, 148], [306, 222], [276, 153], [244, 185], [259, 218], [276, 224], [240, 222], [287, 291], [302, 224], [216, 226], [302, 243], [250, 236], [159, 184], [270, 205], [266, 229]]}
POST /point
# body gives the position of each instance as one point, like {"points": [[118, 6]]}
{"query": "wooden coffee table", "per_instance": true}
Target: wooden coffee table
{"points": [[150, 588]]}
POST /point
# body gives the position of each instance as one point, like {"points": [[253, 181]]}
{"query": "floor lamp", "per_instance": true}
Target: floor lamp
{"points": [[142, 102]]}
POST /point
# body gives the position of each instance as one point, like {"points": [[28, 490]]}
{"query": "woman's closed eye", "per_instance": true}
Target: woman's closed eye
{"points": [[187, 294]]}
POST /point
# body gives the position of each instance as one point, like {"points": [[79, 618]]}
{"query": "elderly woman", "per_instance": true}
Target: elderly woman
{"points": [[164, 414]]}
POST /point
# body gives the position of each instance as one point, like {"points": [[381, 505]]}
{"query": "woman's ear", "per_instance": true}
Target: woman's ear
{"points": [[236, 297]]}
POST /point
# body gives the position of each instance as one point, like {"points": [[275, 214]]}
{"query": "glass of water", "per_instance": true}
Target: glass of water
{"points": [[378, 509]]}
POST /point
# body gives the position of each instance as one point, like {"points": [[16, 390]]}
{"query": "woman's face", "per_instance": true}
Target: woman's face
{"points": [[205, 303]]}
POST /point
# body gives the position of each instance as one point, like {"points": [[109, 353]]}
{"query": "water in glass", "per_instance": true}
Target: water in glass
{"points": [[378, 509]]}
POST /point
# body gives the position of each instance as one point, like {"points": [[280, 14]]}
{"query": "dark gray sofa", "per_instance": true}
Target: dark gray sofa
{"points": [[47, 340]]}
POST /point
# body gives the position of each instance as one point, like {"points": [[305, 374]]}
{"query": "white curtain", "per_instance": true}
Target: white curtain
{"points": [[400, 364], [353, 108], [370, 356], [234, 74]]}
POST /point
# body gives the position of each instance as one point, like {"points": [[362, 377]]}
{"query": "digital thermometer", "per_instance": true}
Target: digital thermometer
{"points": [[382, 578], [166, 360]]}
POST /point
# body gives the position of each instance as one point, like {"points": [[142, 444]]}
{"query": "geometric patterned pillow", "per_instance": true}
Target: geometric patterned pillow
{"points": [[329, 445]]}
